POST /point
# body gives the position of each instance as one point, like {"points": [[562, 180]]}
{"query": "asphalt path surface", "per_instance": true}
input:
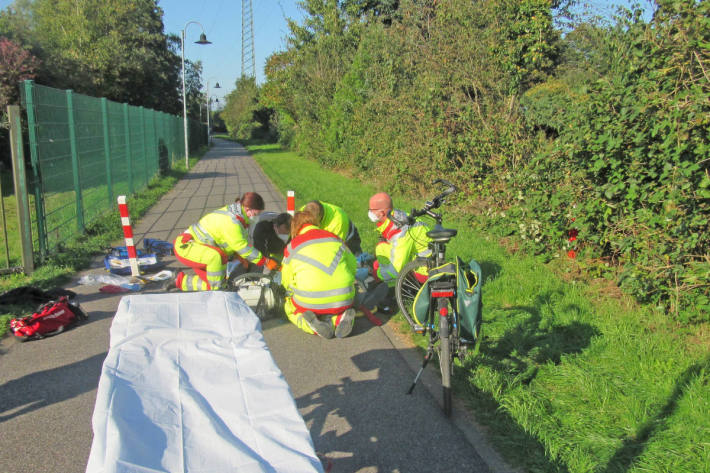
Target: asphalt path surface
{"points": [[350, 392]]}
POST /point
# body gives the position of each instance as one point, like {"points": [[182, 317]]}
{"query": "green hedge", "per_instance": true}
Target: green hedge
{"points": [[600, 132]]}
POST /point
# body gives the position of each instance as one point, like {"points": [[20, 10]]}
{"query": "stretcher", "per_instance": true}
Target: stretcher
{"points": [[189, 385]]}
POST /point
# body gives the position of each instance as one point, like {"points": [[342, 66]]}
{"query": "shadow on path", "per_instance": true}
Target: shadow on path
{"points": [[44, 388], [374, 424]]}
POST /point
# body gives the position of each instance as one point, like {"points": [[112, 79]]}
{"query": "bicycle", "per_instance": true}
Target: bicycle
{"points": [[442, 297]]}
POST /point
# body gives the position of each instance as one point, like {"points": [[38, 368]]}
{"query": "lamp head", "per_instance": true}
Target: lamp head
{"points": [[216, 86], [203, 40]]}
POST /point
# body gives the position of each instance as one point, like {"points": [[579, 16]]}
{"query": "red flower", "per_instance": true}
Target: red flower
{"points": [[572, 254]]}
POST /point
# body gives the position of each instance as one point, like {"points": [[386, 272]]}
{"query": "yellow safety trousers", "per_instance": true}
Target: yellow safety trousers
{"points": [[214, 270]]}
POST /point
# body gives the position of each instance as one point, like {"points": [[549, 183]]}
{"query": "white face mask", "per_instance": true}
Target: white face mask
{"points": [[373, 218], [283, 237]]}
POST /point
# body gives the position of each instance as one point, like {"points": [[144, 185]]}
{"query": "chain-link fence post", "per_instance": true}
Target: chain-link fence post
{"points": [[107, 150], [75, 162], [129, 157], [28, 86]]}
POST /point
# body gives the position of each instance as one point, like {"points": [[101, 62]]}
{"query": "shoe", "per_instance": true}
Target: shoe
{"points": [[388, 310], [320, 327], [170, 284], [346, 323]]}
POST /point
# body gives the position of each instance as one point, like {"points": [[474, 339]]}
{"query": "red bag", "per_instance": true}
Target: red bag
{"points": [[51, 319]]}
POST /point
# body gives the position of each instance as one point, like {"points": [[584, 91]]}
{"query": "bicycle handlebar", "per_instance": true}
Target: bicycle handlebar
{"points": [[435, 203]]}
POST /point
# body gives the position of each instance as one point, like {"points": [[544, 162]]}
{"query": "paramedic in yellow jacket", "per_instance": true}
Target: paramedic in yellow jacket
{"points": [[334, 219], [218, 237], [399, 243], [318, 274]]}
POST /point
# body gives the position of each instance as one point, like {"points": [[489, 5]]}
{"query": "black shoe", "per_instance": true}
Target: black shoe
{"points": [[388, 309]]}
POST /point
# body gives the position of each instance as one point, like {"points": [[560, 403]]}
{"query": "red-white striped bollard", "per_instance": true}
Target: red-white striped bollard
{"points": [[128, 235], [290, 203]]}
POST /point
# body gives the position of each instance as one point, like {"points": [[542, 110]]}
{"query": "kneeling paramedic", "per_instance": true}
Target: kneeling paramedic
{"points": [[399, 243], [318, 274], [219, 236], [334, 219]]}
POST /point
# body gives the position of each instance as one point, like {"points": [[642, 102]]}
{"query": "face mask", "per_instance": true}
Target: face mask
{"points": [[373, 218], [283, 237]]}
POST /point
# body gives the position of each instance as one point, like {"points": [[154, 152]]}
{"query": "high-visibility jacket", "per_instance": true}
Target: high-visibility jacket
{"points": [[400, 245], [227, 229], [319, 272], [336, 221]]}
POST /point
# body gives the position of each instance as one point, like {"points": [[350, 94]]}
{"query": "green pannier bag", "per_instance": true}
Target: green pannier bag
{"points": [[468, 298]]}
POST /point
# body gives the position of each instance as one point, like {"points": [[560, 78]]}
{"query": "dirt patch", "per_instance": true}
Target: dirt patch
{"points": [[510, 244]]}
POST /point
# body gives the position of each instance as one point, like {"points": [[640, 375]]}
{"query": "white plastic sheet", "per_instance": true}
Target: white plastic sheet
{"points": [[189, 385]]}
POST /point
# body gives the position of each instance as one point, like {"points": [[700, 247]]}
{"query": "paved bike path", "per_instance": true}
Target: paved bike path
{"points": [[350, 392]]}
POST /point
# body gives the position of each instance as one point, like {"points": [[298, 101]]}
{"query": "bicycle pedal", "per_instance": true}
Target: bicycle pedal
{"points": [[418, 329]]}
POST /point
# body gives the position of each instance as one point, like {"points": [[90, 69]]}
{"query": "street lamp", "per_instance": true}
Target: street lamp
{"points": [[202, 40], [216, 86]]}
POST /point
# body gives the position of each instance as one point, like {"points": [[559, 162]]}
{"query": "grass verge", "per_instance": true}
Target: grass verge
{"points": [[568, 379], [78, 253]]}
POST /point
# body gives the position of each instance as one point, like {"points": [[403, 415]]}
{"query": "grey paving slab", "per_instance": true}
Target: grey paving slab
{"points": [[350, 392]]}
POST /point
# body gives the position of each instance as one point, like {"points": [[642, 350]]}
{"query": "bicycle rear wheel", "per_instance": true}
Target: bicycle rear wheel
{"points": [[446, 360], [407, 288]]}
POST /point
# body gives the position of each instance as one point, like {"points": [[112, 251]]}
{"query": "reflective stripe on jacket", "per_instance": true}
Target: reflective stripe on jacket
{"points": [[319, 272], [404, 244], [226, 228]]}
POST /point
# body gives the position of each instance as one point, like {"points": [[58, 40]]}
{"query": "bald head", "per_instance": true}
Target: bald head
{"points": [[381, 201], [380, 205]]}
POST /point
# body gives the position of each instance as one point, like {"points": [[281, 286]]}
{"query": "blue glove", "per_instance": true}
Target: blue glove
{"points": [[361, 274], [364, 259]]}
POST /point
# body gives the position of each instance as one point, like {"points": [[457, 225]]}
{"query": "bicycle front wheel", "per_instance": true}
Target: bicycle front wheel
{"points": [[407, 288]]}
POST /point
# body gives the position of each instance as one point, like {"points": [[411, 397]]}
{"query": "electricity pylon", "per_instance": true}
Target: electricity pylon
{"points": [[248, 63]]}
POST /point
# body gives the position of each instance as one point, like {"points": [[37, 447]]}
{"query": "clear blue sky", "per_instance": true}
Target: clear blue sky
{"points": [[222, 20]]}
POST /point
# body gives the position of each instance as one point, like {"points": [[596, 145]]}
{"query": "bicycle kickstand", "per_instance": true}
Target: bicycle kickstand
{"points": [[429, 354]]}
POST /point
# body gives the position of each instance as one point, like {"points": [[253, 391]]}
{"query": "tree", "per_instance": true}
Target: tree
{"points": [[244, 117], [109, 48], [193, 88], [16, 65]]}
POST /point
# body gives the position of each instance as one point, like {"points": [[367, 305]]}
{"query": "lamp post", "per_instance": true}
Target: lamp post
{"points": [[216, 86], [202, 40]]}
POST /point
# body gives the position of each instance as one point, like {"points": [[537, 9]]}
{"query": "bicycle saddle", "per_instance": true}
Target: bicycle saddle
{"points": [[441, 234]]}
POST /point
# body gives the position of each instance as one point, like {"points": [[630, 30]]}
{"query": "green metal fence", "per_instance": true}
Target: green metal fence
{"points": [[85, 151]]}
